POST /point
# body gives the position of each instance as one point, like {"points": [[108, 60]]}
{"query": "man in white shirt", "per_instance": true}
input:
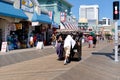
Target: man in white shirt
{"points": [[68, 43]]}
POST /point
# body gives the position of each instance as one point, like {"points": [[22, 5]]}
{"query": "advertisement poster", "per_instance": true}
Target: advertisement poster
{"points": [[4, 47]]}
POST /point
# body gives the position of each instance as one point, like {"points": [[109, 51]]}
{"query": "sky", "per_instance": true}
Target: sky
{"points": [[105, 7]]}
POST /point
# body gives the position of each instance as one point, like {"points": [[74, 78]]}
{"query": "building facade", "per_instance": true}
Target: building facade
{"points": [[23, 19], [83, 24], [26, 18], [9, 19], [106, 21], [38, 18], [56, 6], [107, 26], [61, 13], [91, 13]]}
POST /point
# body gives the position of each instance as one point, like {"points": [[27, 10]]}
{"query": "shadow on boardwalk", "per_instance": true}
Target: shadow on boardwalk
{"points": [[110, 55]]}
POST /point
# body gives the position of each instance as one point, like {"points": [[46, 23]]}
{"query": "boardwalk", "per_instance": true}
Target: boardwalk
{"points": [[97, 63], [99, 66]]}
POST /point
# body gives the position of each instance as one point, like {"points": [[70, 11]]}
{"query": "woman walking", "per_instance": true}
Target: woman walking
{"points": [[90, 41], [53, 37], [68, 43], [59, 47]]}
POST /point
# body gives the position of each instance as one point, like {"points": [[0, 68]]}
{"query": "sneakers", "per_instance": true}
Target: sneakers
{"points": [[65, 62]]}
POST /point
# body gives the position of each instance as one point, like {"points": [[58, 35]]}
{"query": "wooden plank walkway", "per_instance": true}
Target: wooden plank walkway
{"points": [[99, 66], [17, 56], [91, 67]]}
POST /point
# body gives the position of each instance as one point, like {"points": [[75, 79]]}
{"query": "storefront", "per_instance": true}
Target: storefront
{"points": [[22, 31], [8, 20], [55, 26], [43, 26]]}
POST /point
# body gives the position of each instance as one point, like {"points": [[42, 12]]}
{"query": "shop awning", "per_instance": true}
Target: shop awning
{"points": [[41, 18], [65, 25], [68, 27], [75, 27], [7, 9]]}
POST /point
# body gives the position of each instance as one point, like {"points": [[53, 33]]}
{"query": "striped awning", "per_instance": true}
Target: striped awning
{"points": [[68, 26], [75, 26]]}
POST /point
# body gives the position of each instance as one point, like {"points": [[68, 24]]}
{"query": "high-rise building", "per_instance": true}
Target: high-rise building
{"points": [[106, 21], [91, 13], [107, 25]]}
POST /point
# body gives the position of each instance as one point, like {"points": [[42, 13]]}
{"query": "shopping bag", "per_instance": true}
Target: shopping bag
{"points": [[40, 45]]}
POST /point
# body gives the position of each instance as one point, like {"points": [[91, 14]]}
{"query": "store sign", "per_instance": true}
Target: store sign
{"points": [[4, 47], [35, 23], [27, 5]]}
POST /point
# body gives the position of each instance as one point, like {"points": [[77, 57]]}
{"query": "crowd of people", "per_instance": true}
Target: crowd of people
{"points": [[18, 42], [67, 45]]}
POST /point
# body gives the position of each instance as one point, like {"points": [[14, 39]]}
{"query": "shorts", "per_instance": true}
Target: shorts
{"points": [[67, 51], [90, 42]]}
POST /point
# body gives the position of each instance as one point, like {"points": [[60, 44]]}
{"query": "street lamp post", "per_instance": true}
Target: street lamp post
{"points": [[116, 41], [116, 17]]}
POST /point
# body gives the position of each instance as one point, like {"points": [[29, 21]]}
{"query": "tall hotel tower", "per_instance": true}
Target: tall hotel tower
{"points": [[89, 12]]}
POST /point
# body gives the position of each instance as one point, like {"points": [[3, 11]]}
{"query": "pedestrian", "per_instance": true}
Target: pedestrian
{"points": [[90, 41], [98, 39], [68, 43], [31, 41], [53, 38], [35, 39], [59, 47], [94, 41]]}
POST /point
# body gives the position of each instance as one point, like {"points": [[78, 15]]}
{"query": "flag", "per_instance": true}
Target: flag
{"points": [[50, 13], [62, 16]]}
